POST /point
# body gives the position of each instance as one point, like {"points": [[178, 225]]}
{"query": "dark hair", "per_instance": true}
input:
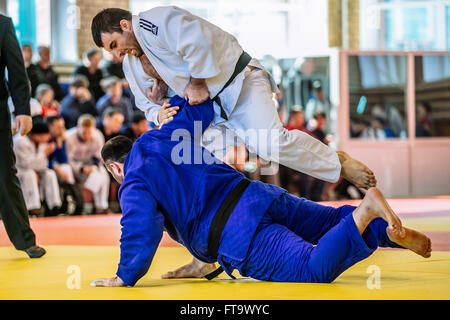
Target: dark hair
{"points": [[41, 89], [51, 119], [319, 114], [39, 127], [380, 120], [106, 83], [427, 106], [26, 45], [110, 111], [42, 47], [79, 81], [116, 149], [108, 21], [90, 52], [138, 116]]}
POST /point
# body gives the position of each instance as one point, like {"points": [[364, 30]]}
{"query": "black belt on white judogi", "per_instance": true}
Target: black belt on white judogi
{"points": [[243, 61]]}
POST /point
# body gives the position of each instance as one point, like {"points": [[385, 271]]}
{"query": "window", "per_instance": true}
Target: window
{"points": [[64, 31], [48, 23], [29, 16], [405, 24], [447, 16], [432, 77], [377, 96], [281, 28]]}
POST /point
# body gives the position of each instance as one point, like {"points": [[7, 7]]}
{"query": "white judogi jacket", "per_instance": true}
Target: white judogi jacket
{"points": [[190, 49], [30, 159], [28, 156], [80, 153]]}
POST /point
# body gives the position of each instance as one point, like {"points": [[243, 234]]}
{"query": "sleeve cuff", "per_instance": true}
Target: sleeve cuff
{"points": [[22, 113], [126, 277], [152, 115]]}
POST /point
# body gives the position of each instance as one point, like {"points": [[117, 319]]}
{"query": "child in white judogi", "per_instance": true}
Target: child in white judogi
{"points": [[37, 181]]}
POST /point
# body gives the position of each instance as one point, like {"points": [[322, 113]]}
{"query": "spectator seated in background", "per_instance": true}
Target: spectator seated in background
{"points": [[317, 103], [318, 129], [57, 160], [83, 146], [79, 101], [377, 130], [90, 69], [138, 126], [296, 120], [317, 185], [27, 54], [37, 180], [357, 126], [390, 117], [112, 67], [360, 128], [46, 97], [46, 74], [423, 124], [309, 187], [295, 179], [379, 125], [114, 98], [111, 123]]}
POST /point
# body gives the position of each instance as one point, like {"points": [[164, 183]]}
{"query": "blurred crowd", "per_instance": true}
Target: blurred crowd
{"points": [[59, 164], [385, 122]]}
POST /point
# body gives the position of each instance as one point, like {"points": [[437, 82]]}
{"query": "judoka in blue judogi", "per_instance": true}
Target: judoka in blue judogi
{"points": [[218, 215]]}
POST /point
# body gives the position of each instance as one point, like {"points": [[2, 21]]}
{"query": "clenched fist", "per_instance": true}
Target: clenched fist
{"points": [[196, 91]]}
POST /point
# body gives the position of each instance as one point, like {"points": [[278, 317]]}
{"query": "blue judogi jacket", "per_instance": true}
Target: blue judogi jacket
{"points": [[59, 155], [171, 181]]}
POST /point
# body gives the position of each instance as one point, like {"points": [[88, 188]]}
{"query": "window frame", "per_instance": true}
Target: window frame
{"points": [[376, 7], [410, 98]]}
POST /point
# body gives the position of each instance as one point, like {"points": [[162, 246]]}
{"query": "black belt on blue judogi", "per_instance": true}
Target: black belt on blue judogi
{"points": [[243, 61], [220, 219]]}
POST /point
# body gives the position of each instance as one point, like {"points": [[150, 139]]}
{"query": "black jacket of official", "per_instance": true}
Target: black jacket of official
{"points": [[13, 210]]}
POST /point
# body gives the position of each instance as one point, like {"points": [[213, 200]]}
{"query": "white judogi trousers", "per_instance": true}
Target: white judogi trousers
{"points": [[34, 192], [67, 169], [98, 183], [254, 121]]}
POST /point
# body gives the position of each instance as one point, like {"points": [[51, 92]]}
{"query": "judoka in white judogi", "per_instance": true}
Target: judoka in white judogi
{"points": [[180, 45], [87, 153], [31, 161]]}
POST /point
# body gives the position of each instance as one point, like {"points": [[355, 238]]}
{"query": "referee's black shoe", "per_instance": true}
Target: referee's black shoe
{"points": [[35, 252]]}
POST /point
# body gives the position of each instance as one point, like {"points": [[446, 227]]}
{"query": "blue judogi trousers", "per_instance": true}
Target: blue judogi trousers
{"points": [[299, 240]]}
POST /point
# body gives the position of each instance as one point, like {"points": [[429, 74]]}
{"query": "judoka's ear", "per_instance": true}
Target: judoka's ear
{"points": [[115, 165], [126, 25]]}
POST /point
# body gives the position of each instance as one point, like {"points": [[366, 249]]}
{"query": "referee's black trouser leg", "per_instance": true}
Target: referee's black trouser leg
{"points": [[13, 210]]}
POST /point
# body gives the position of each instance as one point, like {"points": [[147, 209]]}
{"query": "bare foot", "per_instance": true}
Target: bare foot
{"points": [[413, 240], [356, 172], [194, 269], [374, 205]]}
